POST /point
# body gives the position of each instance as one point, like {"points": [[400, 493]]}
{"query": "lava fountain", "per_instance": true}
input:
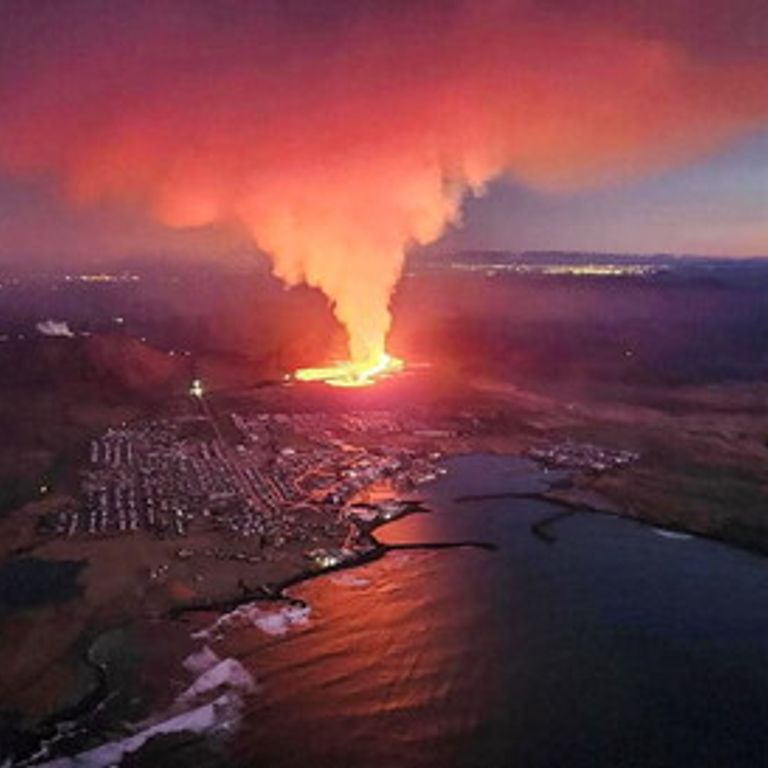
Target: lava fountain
{"points": [[353, 374], [338, 146]]}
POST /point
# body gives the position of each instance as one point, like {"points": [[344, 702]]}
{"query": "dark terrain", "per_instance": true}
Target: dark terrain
{"points": [[641, 355]]}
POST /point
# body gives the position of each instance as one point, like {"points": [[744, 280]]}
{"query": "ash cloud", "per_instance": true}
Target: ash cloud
{"points": [[339, 134]]}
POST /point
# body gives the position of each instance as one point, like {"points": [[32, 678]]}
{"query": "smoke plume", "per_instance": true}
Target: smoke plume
{"points": [[338, 134]]}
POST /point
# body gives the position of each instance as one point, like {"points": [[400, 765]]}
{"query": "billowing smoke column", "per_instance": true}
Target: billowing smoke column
{"points": [[340, 133]]}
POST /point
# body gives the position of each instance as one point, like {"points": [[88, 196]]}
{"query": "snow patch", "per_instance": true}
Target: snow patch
{"points": [[229, 672], [213, 703], [201, 661], [667, 534], [54, 328], [221, 714], [272, 621]]}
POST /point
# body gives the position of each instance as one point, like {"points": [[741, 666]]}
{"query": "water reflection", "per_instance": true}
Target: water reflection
{"points": [[611, 647]]}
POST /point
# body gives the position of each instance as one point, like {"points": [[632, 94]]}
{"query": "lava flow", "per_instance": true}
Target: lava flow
{"points": [[353, 374]]}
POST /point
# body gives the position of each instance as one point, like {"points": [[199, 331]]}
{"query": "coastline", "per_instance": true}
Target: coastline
{"points": [[64, 724], [564, 493], [374, 550], [568, 495], [670, 488]]}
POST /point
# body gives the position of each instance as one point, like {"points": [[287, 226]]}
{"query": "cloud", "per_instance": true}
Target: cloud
{"points": [[339, 134]]}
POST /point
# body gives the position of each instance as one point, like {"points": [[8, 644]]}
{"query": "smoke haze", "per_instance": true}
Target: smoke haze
{"points": [[339, 134]]}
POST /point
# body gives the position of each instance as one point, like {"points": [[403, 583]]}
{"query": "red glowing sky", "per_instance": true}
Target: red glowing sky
{"points": [[248, 116]]}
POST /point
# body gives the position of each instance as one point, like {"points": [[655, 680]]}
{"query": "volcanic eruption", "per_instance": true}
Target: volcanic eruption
{"points": [[352, 373], [338, 135]]}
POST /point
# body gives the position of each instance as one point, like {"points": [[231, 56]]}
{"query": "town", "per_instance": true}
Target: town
{"points": [[273, 478], [584, 457]]}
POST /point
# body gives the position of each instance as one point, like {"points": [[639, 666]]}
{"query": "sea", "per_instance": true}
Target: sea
{"points": [[605, 643]]}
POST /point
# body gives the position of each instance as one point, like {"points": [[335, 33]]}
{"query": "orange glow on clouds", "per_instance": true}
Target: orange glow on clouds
{"points": [[340, 134]]}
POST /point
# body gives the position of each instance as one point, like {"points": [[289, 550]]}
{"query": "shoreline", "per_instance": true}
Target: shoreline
{"points": [[63, 723], [276, 592], [372, 549], [573, 507]]}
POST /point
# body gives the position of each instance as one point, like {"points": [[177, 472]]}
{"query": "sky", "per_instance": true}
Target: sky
{"points": [[336, 135], [715, 206], [58, 204]]}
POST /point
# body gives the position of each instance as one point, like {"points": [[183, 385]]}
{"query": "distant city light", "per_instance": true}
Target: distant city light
{"points": [[196, 388], [573, 270], [103, 277]]}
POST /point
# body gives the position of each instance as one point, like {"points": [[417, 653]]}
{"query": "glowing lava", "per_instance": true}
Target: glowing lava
{"points": [[353, 374]]}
